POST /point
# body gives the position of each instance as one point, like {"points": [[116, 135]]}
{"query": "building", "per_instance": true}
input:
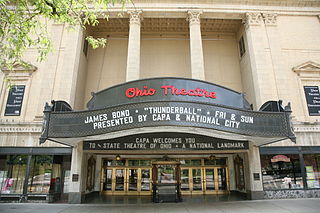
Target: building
{"points": [[186, 94]]}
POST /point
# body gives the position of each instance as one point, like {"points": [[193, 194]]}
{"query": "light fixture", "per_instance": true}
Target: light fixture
{"points": [[118, 157], [212, 157]]}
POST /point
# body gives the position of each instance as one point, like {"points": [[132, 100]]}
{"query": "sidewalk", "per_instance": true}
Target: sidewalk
{"points": [[311, 205]]}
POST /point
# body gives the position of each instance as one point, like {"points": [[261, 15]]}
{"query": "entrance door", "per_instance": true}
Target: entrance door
{"points": [[222, 179], [185, 183], [197, 181], [126, 181], [166, 181], [209, 174], [119, 180], [145, 181], [204, 180], [132, 180]]}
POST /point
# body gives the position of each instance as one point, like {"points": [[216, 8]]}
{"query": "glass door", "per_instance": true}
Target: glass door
{"points": [[119, 180], [185, 182], [126, 181], [166, 174], [222, 179], [145, 180], [107, 180], [204, 180], [196, 180], [139, 181], [133, 180], [209, 180]]}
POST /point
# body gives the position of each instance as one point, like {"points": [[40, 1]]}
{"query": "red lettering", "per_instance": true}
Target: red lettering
{"points": [[174, 90], [183, 92], [205, 93], [198, 90], [130, 92], [191, 92], [213, 95], [166, 89], [135, 92]]}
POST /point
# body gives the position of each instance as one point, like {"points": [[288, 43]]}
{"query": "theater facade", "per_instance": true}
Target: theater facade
{"points": [[187, 99]]}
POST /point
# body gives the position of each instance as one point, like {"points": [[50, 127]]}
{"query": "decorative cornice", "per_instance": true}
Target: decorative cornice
{"points": [[194, 16], [252, 19], [135, 16], [307, 70], [20, 128], [306, 129], [19, 71], [270, 19]]}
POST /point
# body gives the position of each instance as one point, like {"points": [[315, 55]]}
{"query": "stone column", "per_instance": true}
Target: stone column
{"points": [[133, 58], [76, 194], [254, 186], [196, 52], [98, 173], [274, 60], [261, 64]]}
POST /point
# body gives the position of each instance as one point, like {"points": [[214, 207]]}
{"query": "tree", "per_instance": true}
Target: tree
{"points": [[23, 24]]}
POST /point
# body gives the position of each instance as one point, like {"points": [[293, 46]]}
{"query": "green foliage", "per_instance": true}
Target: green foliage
{"points": [[24, 24]]}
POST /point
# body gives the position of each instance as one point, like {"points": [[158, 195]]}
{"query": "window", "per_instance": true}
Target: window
{"points": [[114, 162], [215, 162], [308, 75], [41, 176], [312, 164], [19, 78], [196, 162], [44, 175], [281, 172], [85, 47], [139, 162], [13, 173], [242, 48]]}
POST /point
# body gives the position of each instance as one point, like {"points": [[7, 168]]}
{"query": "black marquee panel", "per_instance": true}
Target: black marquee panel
{"points": [[165, 141], [177, 113]]}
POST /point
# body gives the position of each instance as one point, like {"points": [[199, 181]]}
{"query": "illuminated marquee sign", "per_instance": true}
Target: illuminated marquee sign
{"points": [[156, 102]]}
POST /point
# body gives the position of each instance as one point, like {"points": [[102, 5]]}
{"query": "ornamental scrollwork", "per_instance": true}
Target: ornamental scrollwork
{"points": [[194, 16], [270, 19], [135, 16], [252, 19]]}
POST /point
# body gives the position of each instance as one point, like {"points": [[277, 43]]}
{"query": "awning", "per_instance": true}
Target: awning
{"points": [[167, 105]]}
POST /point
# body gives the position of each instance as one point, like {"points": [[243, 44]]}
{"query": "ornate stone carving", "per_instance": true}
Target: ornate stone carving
{"points": [[6, 127], [270, 19], [19, 72], [194, 16], [252, 19], [135, 16], [307, 69]]}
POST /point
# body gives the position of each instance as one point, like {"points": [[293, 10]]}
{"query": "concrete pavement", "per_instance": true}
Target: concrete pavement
{"points": [[311, 205]]}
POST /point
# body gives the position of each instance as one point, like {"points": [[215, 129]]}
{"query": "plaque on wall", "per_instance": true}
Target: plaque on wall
{"points": [[313, 99], [256, 176], [75, 177], [14, 102]]}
